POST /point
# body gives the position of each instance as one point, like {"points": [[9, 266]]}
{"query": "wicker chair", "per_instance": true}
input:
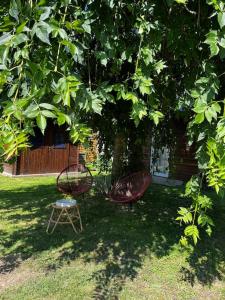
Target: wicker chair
{"points": [[75, 180], [131, 188]]}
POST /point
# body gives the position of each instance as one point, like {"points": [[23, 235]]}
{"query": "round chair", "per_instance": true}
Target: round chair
{"points": [[75, 180], [131, 188]]}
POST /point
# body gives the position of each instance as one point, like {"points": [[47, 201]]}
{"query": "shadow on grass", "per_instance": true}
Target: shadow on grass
{"points": [[116, 239], [207, 261]]}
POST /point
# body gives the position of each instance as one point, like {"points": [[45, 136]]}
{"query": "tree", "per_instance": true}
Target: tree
{"points": [[122, 67]]}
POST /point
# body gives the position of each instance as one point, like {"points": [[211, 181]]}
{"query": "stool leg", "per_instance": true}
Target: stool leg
{"points": [[71, 222], [50, 219], [78, 213], [56, 223]]}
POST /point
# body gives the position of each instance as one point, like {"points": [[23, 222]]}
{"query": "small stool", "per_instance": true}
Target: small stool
{"points": [[64, 212]]}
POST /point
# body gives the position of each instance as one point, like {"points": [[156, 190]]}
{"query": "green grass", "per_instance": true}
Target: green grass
{"points": [[120, 255]]}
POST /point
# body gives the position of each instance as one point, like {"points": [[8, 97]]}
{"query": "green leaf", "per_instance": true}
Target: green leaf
{"points": [[45, 15], [211, 40], [192, 187], [185, 215], [32, 114], [181, 1], [9, 138], [209, 230], [42, 31], [156, 116], [57, 98], [66, 98], [214, 49], [63, 34], [62, 118], [203, 220], [32, 111], [86, 26], [21, 27], [222, 42], [47, 106], [103, 57], [193, 232], [204, 202], [211, 37], [216, 107], [131, 96], [79, 132], [68, 119], [221, 128], [14, 10], [5, 38], [139, 111], [217, 188], [199, 118], [12, 90], [71, 47], [147, 55], [75, 25], [20, 38], [97, 106], [221, 19], [209, 115], [48, 114], [200, 107], [41, 122], [144, 90], [183, 241], [195, 93], [65, 2], [159, 66]]}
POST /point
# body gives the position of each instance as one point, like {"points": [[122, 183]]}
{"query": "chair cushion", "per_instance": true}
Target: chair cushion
{"points": [[66, 203]]}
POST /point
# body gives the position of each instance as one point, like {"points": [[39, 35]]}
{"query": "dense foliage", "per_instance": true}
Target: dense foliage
{"points": [[118, 66]]}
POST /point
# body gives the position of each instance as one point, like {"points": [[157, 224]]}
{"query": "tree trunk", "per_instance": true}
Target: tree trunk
{"points": [[139, 150], [119, 150], [146, 150], [131, 154]]}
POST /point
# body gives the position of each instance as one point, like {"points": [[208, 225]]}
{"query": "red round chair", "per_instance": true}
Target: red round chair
{"points": [[75, 180], [131, 188]]}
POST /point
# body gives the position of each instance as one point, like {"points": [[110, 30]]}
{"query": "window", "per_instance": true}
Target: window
{"points": [[82, 157], [59, 140], [37, 141]]}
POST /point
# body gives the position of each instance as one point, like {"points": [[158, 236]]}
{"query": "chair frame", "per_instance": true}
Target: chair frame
{"points": [[74, 193], [129, 199]]}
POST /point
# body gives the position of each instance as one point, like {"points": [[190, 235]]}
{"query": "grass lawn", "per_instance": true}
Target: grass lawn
{"points": [[120, 254]]}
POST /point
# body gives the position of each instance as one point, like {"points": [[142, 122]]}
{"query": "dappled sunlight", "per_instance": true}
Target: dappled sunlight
{"points": [[115, 240]]}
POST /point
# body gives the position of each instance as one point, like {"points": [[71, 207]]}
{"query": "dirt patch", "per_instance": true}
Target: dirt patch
{"points": [[13, 272]]}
